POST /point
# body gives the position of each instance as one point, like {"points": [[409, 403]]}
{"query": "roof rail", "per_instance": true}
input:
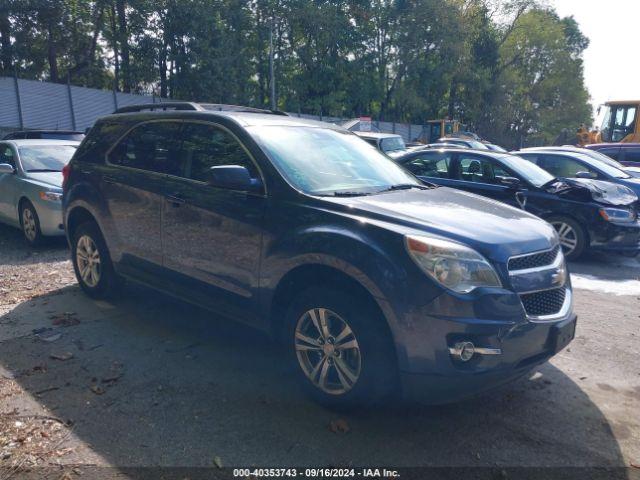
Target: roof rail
{"points": [[160, 106], [198, 107]]}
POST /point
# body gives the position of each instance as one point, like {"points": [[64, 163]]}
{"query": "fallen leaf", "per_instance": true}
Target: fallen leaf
{"points": [[65, 319], [62, 356], [51, 338], [217, 461], [98, 390], [339, 426]]}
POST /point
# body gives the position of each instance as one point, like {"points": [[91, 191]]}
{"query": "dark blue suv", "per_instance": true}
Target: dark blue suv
{"points": [[374, 282]]}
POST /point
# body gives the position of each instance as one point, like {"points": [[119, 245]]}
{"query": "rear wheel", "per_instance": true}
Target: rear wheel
{"points": [[573, 239], [92, 262], [30, 224], [341, 349]]}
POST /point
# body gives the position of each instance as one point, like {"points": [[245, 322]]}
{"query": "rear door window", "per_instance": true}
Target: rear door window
{"points": [[611, 152], [152, 147], [435, 165], [205, 146]]}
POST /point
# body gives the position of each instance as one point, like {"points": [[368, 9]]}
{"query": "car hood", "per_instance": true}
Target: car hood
{"points": [[582, 189], [632, 183], [53, 179], [497, 230]]}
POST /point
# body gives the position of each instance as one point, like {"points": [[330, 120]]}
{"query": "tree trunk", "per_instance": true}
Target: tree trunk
{"points": [[52, 54], [123, 35], [5, 42]]}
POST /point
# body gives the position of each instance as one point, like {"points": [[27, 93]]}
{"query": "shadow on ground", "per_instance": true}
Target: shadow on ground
{"points": [[181, 388]]}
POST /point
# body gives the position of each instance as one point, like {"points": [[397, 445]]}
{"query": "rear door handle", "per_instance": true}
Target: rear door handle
{"points": [[175, 200]]}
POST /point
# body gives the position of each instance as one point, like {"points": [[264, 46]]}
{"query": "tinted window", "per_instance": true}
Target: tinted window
{"points": [[632, 155], [611, 152], [480, 170], [206, 146], [45, 158], [391, 144], [62, 136], [150, 146], [6, 155], [430, 165], [527, 170]]}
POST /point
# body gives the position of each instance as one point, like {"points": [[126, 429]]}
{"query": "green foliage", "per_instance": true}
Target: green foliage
{"points": [[515, 81]]}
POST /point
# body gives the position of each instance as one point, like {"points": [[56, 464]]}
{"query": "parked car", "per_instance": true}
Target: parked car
{"points": [[31, 185], [627, 154], [587, 214], [388, 143], [45, 135], [374, 282], [494, 147], [464, 142], [633, 171], [571, 164]]}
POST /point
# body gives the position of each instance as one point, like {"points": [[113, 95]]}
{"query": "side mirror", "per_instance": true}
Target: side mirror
{"points": [[6, 168], [590, 175], [511, 182], [233, 177]]}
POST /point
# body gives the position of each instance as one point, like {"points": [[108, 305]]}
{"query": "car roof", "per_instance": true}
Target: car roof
{"points": [[613, 145], [245, 119], [41, 142], [46, 131], [490, 153], [377, 135]]}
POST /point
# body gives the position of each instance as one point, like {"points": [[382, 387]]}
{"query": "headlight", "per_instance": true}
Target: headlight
{"points": [[618, 215], [451, 264], [51, 196]]}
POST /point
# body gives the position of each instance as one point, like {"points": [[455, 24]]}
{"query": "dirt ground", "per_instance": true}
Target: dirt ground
{"points": [[150, 381]]}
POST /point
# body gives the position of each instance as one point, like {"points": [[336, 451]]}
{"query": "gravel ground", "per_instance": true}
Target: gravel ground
{"points": [[146, 381]]}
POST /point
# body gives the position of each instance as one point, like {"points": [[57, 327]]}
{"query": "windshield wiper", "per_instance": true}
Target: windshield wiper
{"points": [[403, 186], [43, 170], [348, 194]]}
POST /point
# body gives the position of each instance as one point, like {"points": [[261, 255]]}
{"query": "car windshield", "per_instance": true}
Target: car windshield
{"points": [[323, 161], [527, 170], [392, 144], [45, 158]]}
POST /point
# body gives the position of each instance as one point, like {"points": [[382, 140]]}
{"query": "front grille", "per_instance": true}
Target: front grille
{"points": [[548, 302], [534, 260]]}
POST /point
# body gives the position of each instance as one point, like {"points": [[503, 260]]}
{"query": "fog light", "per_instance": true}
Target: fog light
{"points": [[463, 350]]}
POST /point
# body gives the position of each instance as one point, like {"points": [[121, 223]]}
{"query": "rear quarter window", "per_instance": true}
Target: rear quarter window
{"points": [[100, 139]]}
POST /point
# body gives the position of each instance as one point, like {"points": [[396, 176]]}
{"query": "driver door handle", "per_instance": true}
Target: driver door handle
{"points": [[176, 200]]}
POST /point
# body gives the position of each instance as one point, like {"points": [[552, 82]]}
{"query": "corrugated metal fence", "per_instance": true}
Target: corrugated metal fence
{"points": [[29, 104]]}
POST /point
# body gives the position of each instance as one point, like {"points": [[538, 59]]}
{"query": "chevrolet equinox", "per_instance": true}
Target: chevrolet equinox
{"points": [[374, 282]]}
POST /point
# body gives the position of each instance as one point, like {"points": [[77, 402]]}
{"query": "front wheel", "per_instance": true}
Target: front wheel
{"points": [[92, 262], [30, 224], [341, 349], [573, 238]]}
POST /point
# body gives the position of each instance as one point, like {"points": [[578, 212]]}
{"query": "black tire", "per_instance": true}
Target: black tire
{"points": [[377, 377], [580, 236], [108, 282], [31, 224]]}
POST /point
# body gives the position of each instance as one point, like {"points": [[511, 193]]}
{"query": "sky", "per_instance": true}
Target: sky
{"points": [[611, 63]]}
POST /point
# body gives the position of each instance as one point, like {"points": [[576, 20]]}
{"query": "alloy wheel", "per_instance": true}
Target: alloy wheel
{"points": [[328, 351], [88, 261], [29, 224], [568, 236]]}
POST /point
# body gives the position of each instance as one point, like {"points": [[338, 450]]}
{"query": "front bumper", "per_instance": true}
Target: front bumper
{"points": [[521, 346], [616, 237], [50, 217]]}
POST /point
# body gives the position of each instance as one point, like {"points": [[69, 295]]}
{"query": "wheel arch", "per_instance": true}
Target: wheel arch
{"points": [[305, 276], [77, 216]]}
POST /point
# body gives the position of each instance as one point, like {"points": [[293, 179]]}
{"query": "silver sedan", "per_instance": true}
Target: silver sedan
{"points": [[31, 185]]}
